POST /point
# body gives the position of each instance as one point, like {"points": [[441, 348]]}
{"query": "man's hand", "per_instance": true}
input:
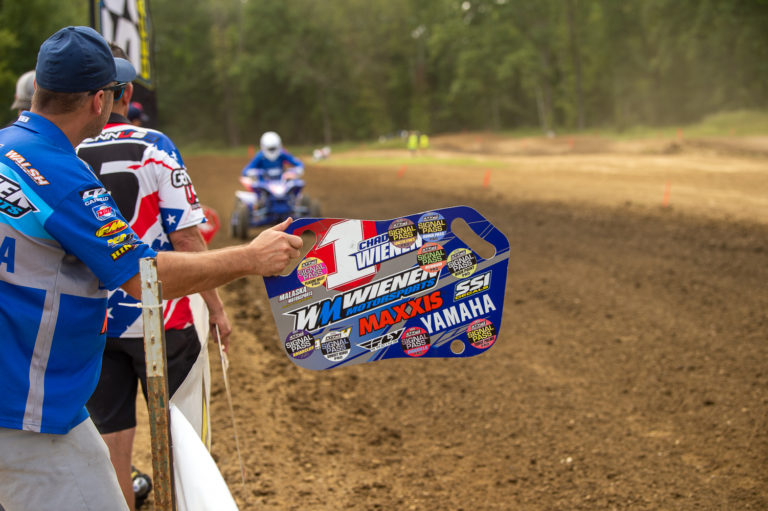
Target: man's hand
{"points": [[273, 249]]}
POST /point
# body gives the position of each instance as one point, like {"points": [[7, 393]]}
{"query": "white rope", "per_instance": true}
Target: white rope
{"points": [[224, 368]]}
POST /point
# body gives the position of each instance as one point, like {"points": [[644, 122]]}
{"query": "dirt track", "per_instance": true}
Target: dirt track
{"points": [[630, 372]]}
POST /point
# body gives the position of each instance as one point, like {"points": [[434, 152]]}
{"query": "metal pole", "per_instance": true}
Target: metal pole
{"points": [[157, 386]]}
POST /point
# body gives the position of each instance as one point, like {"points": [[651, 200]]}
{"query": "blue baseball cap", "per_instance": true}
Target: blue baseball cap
{"points": [[78, 59], [136, 111]]}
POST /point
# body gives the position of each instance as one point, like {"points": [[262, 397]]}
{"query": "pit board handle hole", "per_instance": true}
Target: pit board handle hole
{"points": [[477, 244]]}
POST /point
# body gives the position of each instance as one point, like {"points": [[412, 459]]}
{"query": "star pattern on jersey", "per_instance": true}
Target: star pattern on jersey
{"points": [[120, 317], [118, 297], [171, 218]]}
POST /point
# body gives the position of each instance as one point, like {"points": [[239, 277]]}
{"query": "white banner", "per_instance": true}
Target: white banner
{"points": [[126, 23]]}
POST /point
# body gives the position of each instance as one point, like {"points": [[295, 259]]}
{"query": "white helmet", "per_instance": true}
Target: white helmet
{"points": [[271, 145]]}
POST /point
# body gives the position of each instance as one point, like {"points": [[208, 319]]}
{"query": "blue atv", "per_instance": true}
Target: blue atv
{"points": [[270, 201]]}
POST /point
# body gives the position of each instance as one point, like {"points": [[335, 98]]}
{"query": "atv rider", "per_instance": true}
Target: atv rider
{"points": [[272, 162]]}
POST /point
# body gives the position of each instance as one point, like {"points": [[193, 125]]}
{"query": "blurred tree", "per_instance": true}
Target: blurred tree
{"points": [[353, 69], [23, 27], [190, 97]]}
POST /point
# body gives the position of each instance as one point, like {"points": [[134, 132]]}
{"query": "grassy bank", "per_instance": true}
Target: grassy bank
{"points": [[736, 123]]}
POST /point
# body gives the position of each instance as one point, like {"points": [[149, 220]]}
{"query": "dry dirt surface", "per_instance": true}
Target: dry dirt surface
{"points": [[630, 371]]}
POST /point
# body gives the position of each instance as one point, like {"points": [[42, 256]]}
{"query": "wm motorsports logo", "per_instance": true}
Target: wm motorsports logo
{"points": [[13, 202], [356, 301]]}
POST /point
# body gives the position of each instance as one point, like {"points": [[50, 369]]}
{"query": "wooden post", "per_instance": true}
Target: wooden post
{"points": [[157, 386]]}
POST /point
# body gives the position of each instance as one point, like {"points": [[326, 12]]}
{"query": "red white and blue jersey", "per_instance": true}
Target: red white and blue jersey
{"points": [[63, 243], [143, 171]]}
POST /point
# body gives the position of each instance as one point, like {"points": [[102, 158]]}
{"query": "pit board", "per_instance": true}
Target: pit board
{"points": [[415, 286]]}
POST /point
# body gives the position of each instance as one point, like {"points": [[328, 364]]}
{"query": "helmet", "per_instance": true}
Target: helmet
{"points": [[271, 145], [24, 91]]}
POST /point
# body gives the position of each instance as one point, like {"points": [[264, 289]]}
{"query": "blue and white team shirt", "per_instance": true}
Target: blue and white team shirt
{"points": [[261, 167], [143, 171], [63, 244]]}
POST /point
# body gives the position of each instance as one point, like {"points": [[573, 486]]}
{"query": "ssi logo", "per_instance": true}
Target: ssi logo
{"points": [[469, 287]]}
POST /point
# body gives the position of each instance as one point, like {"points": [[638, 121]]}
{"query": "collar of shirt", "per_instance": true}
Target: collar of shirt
{"points": [[117, 119], [39, 124]]}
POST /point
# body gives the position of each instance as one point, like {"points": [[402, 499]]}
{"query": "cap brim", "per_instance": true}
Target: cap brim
{"points": [[125, 71], [21, 104]]}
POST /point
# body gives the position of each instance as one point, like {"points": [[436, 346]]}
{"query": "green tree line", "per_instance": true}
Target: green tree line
{"points": [[320, 71]]}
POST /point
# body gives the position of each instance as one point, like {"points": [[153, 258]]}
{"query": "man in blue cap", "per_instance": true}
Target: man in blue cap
{"points": [[63, 244]]}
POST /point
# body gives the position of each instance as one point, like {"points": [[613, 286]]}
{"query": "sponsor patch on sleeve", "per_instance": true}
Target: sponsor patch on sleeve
{"points": [[120, 252], [111, 228], [103, 212], [94, 196]]}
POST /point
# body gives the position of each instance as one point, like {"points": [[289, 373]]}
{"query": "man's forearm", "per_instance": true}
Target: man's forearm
{"points": [[190, 239], [184, 273]]}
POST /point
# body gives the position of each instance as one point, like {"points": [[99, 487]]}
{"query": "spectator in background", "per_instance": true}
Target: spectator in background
{"points": [[145, 175], [136, 114], [25, 87], [413, 142], [423, 142]]}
